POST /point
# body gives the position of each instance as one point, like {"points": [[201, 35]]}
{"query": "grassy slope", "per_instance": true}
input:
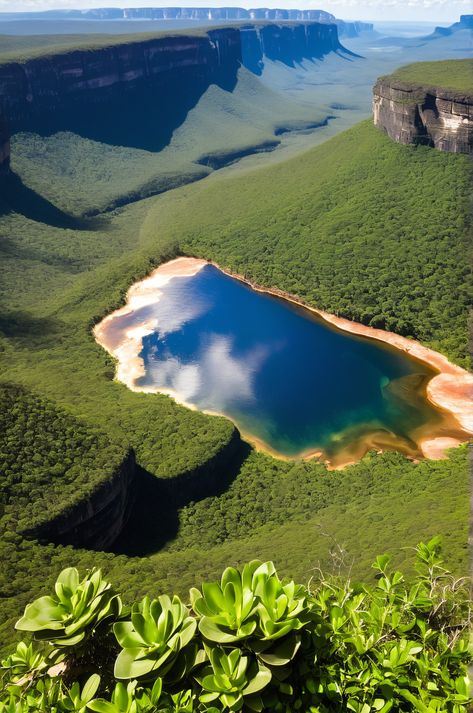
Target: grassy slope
{"points": [[80, 175], [24, 48], [360, 226], [455, 74], [324, 226]]}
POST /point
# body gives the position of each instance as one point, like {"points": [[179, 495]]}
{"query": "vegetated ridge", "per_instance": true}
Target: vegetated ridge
{"points": [[428, 103]]}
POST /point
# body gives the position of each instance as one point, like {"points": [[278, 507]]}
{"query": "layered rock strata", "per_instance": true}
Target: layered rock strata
{"points": [[4, 149], [413, 114], [40, 92], [97, 521]]}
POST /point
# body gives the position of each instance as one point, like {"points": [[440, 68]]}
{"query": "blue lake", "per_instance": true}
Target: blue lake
{"points": [[288, 379]]}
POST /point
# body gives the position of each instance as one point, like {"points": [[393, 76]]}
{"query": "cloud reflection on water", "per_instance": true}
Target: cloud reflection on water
{"points": [[217, 380]]}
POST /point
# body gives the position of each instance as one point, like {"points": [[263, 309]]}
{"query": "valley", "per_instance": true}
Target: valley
{"points": [[116, 158]]}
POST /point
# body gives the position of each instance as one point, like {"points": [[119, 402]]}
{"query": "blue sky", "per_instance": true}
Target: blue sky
{"points": [[417, 10]]}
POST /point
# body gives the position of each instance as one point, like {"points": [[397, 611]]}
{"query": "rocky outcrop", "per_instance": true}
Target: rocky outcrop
{"points": [[4, 149], [412, 114], [57, 91], [465, 23], [97, 521]]}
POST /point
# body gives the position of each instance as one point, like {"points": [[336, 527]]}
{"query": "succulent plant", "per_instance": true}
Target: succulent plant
{"points": [[251, 604], [233, 679], [74, 612], [156, 639], [228, 609], [281, 607], [124, 700]]}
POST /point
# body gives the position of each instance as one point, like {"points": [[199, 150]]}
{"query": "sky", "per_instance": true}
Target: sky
{"points": [[441, 11]]}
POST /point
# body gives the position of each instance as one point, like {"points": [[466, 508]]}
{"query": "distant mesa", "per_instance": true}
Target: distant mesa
{"points": [[465, 23], [429, 103], [205, 14]]}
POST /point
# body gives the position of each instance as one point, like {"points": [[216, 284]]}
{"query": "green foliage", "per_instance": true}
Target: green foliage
{"points": [[399, 645], [156, 639], [454, 74], [253, 602], [74, 612], [51, 461], [233, 680], [368, 229]]}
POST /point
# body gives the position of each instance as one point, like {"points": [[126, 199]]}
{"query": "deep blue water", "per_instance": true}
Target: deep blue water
{"points": [[282, 374]]}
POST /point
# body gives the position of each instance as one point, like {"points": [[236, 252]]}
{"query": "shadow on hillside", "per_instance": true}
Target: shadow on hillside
{"points": [[26, 330], [142, 118], [15, 197], [154, 520], [19, 250]]}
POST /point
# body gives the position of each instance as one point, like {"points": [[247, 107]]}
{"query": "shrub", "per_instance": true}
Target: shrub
{"points": [[254, 643]]}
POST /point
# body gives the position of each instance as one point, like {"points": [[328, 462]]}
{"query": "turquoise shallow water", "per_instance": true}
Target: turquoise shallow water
{"points": [[282, 374]]}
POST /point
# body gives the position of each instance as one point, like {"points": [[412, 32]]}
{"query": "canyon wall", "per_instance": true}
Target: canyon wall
{"points": [[286, 43], [96, 522], [4, 148], [54, 91], [424, 115], [44, 85]]}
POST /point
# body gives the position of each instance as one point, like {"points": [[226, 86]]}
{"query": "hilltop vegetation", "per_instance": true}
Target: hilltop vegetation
{"points": [[366, 229], [50, 460], [454, 74]]}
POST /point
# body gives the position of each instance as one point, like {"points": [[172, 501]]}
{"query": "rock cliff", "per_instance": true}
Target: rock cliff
{"points": [[4, 148], [55, 91], [44, 85], [97, 521], [432, 116]]}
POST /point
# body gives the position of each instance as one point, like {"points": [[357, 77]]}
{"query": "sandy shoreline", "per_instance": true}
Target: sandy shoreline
{"points": [[450, 390]]}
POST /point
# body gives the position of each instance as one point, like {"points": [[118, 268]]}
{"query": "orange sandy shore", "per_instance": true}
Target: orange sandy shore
{"points": [[451, 390]]}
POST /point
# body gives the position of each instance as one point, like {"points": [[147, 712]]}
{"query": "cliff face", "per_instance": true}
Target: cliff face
{"points": [[62, 90], [286, 43], [43, 85], [97, 522], [419, 115], [4, 149]]}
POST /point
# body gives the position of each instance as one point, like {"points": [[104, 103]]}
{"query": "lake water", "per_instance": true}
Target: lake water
{"points": [[288, 379]]}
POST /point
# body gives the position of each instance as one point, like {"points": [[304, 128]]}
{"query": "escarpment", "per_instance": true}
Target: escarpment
{"points": [[4, 148], [37, 89], [98, 520], [68, 89], [414, 114]]}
